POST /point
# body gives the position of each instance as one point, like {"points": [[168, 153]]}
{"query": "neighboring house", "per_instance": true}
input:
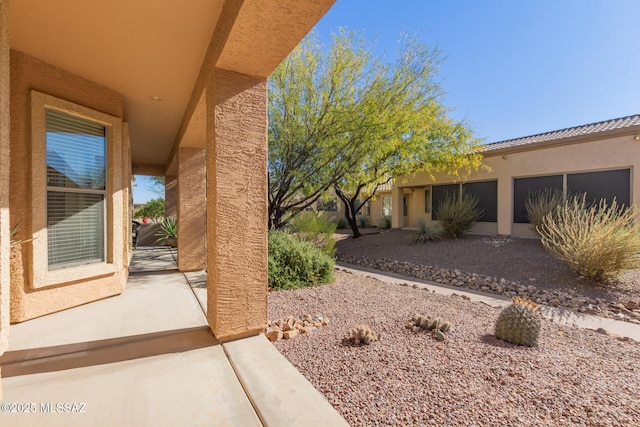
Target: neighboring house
{"points": [[333, 207], [601, 159], [93, 91]]}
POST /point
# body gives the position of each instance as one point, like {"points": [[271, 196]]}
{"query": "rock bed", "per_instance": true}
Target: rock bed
{"points": [[574, 377], [628, 311]]}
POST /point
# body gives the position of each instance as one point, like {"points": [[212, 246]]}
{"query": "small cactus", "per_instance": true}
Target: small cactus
{"points": [[430, 324], [363, 334], [445, 327], [519, 323]]}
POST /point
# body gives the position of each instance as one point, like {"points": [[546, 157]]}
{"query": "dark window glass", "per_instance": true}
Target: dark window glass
{"points": [[439, 192], [327, 205], [487, 194], [602, 185], [522, 187]]}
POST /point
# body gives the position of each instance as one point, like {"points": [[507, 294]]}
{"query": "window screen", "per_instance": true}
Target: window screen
{"points": [[522, 187], [76, 190], [602, 185], [439, 192], [487, 194]]}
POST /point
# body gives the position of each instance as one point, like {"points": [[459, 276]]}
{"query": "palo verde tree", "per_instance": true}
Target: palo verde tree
{"points": [[315, 121], [435, 144], [412, 130], [344, 118]]}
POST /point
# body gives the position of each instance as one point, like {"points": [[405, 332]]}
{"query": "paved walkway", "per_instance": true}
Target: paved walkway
{"points": [[148, 358], [559, 315]]}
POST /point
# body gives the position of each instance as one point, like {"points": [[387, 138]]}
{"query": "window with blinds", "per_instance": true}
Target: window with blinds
{"points": [[76, 190]]}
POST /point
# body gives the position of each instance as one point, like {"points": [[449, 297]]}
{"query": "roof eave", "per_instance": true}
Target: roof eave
{"points": [[578, 139]]}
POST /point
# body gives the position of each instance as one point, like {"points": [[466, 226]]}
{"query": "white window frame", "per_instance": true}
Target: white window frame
{"points": [[390, 205], [41, 274], [427, 200]]}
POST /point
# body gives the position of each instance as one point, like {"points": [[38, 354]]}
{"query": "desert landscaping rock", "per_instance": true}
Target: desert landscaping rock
{"points": [[290, 326], [574, 376], [555, 298]]}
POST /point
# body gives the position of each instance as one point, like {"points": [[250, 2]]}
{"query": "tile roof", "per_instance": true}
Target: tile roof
{"points": [[592, 128]]}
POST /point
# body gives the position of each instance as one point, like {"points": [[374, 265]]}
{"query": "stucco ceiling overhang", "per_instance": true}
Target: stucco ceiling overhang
{"points": [[156, 48]]}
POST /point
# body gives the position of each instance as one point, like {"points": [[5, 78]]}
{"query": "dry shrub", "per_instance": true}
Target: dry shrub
{"points": [[426, 232], [596, 241], [458, 213], [540, 203]]}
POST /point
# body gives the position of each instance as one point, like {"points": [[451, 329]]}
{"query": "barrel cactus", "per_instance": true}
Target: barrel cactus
{"points": [[519, 323]]}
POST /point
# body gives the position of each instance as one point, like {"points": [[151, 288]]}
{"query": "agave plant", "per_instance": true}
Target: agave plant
{"points": [[168, 229]]}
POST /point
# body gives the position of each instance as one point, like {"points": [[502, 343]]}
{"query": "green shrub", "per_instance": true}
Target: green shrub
{"points": [[540, 203], [154, 209], [315, 228], [341, 222], [594, 240], [426, 232], [294, 263], [384, 222], [457, 213], [364, 221]]}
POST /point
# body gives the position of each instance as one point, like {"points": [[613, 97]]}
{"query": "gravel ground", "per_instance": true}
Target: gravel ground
{"points": [[574, 377], [515, 259]]}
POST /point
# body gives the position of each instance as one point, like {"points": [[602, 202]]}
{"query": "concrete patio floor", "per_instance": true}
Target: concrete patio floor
{"points": [[147, 358]]}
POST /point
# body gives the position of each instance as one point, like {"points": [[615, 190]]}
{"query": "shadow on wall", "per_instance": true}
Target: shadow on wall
{"points": [[148, 235]]}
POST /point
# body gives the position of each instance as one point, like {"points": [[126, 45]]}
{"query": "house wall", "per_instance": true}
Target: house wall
{"points": [[616, 152], [376, 206], [192, 208], [27, 301], [4, 177], [127, 195]]}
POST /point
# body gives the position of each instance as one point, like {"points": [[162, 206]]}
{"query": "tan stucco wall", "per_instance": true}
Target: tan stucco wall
{"points": [[4, 177], [236, 204], [376, 206], [28, 73], [192, 209], [127, 194], [170, 196], [616, 152]]}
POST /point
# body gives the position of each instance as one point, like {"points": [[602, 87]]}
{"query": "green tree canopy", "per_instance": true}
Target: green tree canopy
{"points": [[153, 209], [341, 117]]}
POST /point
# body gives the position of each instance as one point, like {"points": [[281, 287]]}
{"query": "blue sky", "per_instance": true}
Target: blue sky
{"points": [[512, 68], [144, 190]]}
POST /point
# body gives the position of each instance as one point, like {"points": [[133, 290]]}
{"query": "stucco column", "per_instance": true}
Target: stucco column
{"points": [[4, 178], [236, 204], [170, 196], [397, 214], [192, 205], [505, 205]]}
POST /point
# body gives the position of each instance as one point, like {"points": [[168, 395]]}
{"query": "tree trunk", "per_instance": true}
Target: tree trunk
{"points": [[354, 225], [349, 211]]}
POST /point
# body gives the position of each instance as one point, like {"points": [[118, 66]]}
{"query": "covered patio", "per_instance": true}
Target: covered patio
{"points": [[148, 357], [92, 93]]}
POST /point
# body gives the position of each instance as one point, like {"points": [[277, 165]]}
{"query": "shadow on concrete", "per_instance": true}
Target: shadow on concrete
{"points": [[100, 352]]}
